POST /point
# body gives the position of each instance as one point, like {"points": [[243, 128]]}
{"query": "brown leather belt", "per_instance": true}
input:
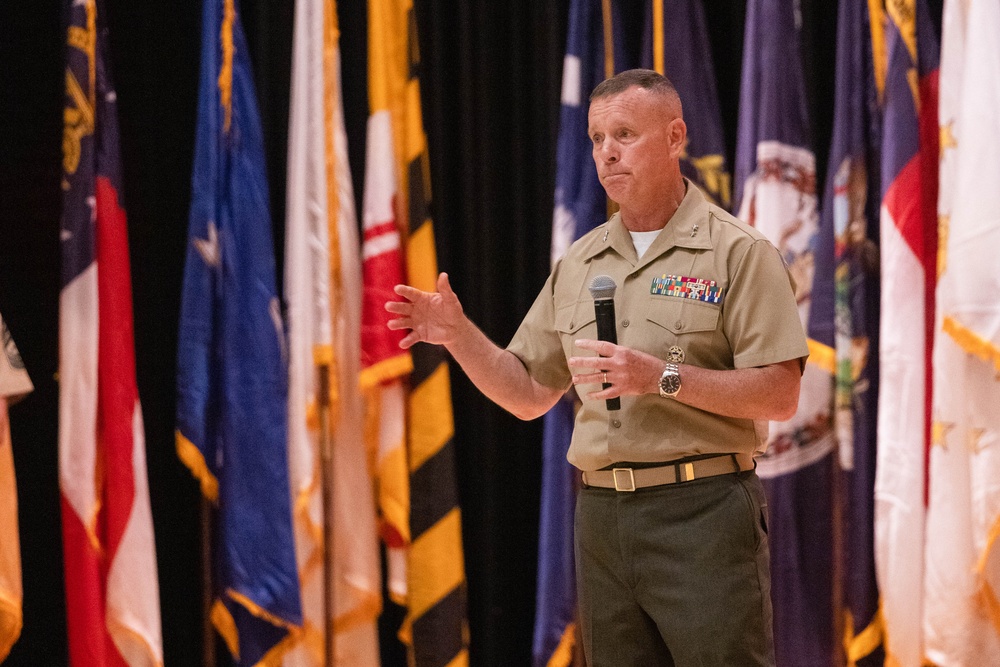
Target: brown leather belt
{"points": [[630, 479]]}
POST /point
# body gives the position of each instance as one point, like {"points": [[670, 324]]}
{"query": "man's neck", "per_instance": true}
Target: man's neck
{"points": [[656, 217]]}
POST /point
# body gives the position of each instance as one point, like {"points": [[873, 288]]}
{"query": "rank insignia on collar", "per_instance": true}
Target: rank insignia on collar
{"points": [[684, 287], [675, 354]]}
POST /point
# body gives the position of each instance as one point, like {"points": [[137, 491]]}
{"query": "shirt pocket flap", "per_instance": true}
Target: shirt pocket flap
{"points": [[575, 316], [683, 316]]}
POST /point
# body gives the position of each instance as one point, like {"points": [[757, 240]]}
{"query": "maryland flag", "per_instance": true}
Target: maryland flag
{"points": [[396, 200], [961, 614], [384, 365], [109, 554], [323, 293], [232, 373]]}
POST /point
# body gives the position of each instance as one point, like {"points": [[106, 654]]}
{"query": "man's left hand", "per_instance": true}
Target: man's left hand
{"points": [[628, 371]]}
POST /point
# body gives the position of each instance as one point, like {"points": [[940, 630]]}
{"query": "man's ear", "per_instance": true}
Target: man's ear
{"points": [[678, 136]]}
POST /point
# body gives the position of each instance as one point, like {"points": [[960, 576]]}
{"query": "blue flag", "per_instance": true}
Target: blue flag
{"points": [[580, 205], [232, 381], [851, 213], [677, 46], [776, 192]]}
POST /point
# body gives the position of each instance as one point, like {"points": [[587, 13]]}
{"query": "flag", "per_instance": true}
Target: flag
{"points": [[850, 222], [776, 192], [14, 384], [435, 628], [232, 383], [675, 43], [961, 613], [580, 205], [384, 365], [323, 293], [906, 64], [109, 554]]}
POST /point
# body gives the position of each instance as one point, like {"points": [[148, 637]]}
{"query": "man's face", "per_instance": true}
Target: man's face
{"points": [[637, 138]]}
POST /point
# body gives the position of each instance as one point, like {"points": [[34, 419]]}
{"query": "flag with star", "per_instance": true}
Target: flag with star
{"points": [[906, 73], [232, 383], [961, 613]]}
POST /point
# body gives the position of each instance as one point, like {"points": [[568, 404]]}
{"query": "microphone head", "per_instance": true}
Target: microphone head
{"points": [[602, 287]]}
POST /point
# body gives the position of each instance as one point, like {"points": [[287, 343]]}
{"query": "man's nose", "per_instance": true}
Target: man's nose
{"points": [[609, 153]]}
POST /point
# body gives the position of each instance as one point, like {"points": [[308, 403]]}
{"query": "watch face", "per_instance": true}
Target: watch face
{"points": [[670, 381]]}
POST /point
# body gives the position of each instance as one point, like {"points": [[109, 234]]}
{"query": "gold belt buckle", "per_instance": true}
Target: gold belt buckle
{"points": [[624, 479]]}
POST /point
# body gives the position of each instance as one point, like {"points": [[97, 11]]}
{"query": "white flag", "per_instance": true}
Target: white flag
{"points": [[962, 567]]}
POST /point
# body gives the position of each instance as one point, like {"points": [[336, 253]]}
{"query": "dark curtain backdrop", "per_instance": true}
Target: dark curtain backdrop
{"points": [[491, 83]]}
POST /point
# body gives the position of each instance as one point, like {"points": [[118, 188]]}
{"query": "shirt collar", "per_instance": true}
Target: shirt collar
{"points": [[687, 228]]}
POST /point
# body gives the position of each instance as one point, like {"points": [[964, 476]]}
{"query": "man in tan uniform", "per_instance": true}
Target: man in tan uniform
{"points": [[671, 544]]}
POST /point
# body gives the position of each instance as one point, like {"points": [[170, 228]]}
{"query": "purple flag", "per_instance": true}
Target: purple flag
{"points": [[776, 192]]}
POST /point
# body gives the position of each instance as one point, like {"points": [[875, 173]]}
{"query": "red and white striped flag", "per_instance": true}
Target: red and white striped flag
{"points": [[906, 59], [112, 595]]}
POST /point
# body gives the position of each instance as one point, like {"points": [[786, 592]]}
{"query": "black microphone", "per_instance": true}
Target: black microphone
{"points": [[602, 288]]}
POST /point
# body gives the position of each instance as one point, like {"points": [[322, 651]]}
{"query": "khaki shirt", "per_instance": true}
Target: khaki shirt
{"points": [[754, 322]]}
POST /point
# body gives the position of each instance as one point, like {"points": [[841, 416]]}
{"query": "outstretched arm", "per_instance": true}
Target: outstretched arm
{"points": [[438, 318]]}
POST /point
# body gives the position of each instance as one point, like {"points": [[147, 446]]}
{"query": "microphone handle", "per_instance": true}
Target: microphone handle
{"points": [[604, 310]]}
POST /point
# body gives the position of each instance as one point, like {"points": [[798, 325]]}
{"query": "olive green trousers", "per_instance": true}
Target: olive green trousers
{"points": [[675, 574]]}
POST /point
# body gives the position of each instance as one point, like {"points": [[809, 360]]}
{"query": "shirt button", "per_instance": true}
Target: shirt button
{"points": [[616, 423], [624, 323], [678, 325]]}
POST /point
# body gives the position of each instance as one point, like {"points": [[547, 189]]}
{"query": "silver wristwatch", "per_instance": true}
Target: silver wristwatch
{"points": [[670, 381]]}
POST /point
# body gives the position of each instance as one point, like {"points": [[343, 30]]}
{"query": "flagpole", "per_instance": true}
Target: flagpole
{"points": [[838, 578], [208, 658], [326, 458]]}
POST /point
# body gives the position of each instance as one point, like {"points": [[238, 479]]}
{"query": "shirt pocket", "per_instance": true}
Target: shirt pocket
{"points": [[574, 321], [686, 323]]}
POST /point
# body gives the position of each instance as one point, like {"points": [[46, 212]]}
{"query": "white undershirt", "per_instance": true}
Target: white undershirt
{"points": [[642, 241]]}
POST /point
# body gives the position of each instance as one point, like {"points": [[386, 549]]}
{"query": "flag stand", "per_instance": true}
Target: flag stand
{"points": [[326, 465]]}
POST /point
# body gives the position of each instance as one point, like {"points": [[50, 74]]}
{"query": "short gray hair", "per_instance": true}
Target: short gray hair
{"points": [[642, 78]]}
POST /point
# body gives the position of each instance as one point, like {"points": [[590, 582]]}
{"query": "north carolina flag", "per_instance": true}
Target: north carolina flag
{"points": [[109, 554], [323, 293], [961, 612], [232, 372], [850, 221], [906, 69], [14, 384], [776, 192]]}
